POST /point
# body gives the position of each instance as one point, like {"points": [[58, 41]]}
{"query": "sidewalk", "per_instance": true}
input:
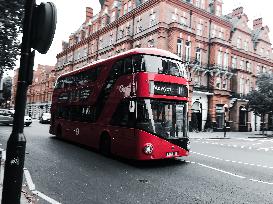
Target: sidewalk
{"points": [[229, 135], [24, 199]]}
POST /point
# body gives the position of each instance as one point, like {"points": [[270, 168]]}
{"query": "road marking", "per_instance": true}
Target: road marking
{"points": [[232, 161], [222, 171], [31, 186], [259, 181], [30, 183], [229, 173], [45, 197]]}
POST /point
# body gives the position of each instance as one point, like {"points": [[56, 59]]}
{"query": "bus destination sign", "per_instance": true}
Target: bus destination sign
{"points": [[168, 89]]}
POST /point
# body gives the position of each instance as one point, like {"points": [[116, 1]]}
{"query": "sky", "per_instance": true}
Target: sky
{"points": [[71, 14]]}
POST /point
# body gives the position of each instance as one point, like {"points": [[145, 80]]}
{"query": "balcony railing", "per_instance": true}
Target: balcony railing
{"points": [[238, 95]]}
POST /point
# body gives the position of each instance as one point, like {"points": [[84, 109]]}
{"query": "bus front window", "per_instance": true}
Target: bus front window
{"points": [[163, 118], [159, 65]]}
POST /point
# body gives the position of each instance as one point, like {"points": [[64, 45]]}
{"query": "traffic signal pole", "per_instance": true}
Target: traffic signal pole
{"points": [[16, 145]]}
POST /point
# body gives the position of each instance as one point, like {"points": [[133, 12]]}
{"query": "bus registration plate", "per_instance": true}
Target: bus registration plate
{"points": [[170, 154]]}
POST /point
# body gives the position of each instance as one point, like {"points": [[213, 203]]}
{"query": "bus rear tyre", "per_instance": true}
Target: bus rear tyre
{"points": [[105, 145]]}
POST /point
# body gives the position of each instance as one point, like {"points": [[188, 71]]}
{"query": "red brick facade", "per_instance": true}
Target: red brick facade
{"points": [[223, 55], [40, 92]]}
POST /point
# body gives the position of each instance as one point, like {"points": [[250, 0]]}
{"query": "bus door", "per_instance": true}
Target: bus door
{"points": [[124, 141]]}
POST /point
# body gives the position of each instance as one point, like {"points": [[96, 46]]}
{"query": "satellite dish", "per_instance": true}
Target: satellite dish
{"points": [[44, 21]]}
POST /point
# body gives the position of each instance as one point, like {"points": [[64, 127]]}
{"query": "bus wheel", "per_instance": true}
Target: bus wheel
{"points": [[105, 145], [59, 132]]}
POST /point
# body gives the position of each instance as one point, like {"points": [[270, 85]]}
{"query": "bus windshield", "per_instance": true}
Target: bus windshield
{"points": [[159, 65], [166, 119]]}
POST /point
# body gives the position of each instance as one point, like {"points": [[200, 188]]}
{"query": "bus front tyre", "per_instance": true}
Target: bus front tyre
{"points": [[105, 145]]}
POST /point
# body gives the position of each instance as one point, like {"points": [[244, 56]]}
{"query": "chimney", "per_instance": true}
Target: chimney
{"points": [[237, 12], [257, 23], [89, 14]]}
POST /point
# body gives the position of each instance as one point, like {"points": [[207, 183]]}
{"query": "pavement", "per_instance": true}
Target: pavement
{"points": [[229, 135], [25, 198]]}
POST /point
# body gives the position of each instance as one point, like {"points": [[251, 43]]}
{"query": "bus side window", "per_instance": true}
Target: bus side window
{"points": [[138, 63], [128, 66], [117, 69]]}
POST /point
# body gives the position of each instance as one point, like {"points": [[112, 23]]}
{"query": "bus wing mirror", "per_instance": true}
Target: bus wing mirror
{"points": [[132, 106]]}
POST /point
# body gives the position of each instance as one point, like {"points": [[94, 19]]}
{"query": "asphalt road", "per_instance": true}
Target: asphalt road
{"points": [[237, 170]]}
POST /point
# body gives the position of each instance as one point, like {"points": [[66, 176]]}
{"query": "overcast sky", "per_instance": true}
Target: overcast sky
{"points": [[71, 14]]}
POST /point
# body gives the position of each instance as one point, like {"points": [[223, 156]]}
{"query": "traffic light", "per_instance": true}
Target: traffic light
{"points": [[44, 21]]}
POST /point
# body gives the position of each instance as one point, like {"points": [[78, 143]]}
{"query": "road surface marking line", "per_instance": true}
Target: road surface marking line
{"points": [[227, 160], [222, 171], [30, 183], [31, 187], [234, 145], [242, 147], [45, 197], [258, 181]]}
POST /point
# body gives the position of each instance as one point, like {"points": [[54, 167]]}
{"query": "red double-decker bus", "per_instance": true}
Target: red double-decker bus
{"points": [[132, 105]]}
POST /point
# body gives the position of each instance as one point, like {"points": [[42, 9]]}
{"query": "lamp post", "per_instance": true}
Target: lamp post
{"points": [[225, 119], [38, 31]]}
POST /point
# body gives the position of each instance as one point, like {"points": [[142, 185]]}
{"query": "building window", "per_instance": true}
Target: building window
{"points": [[174, 16], [226, 61], [197, 79], [138, 24], [151, 43], [113, 17], [248, 66], [242, 85], [129, 6], [221, 33], [183, 19], [220, 58], [224, 84], [198, 56], [198, 3], [188, 51], [124, 9], [218, 11], [234, 62], [152, 19], [262, 51], [246, 46], [218, 83], [179, 48], [213, 32], [199, 29], [258, 70], [241, 64], [239, 43]]}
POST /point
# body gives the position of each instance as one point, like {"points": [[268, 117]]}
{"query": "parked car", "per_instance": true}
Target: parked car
{"points": [[45, 118], [6, 117]]}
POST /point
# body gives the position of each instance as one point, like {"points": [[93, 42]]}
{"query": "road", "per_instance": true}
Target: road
{"points": [[236, 170]]}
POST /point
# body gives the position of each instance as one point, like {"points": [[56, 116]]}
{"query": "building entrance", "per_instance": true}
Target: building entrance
{"points": [[196, 117]]}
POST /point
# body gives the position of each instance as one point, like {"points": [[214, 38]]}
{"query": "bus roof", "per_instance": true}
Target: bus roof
{"points": [[149, 51]]}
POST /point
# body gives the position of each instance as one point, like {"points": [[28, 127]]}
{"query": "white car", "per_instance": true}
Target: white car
{"points": [[27, 120], [45, 118], [6, 117]]}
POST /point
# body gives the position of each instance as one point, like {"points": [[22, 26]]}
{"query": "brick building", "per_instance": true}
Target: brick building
{"points": [[39, 94], [223, 55]]}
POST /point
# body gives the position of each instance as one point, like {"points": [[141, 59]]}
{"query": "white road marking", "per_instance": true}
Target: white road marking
{"points": [[30, 183], [45, 197], [222, 171], [232, 161], [259, 181], [229, 173]]}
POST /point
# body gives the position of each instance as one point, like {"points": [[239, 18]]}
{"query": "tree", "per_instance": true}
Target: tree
{"points": [[10, 28], [261, 100]]}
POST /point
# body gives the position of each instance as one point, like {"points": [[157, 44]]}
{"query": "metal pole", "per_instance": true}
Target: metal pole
{"points": [[13, 174]]}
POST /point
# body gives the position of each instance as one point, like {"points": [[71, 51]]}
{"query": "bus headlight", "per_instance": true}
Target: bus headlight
{"points": [[148, 148]]}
